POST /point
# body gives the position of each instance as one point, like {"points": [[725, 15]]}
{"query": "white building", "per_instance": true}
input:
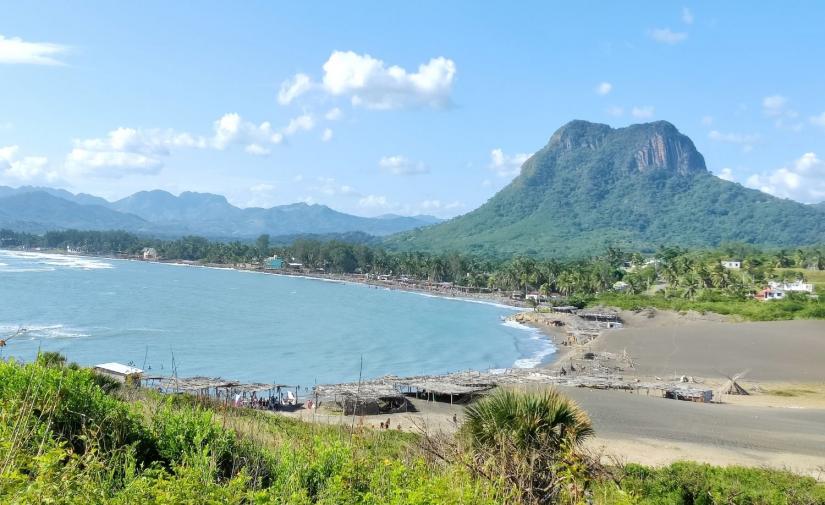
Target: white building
{"points": [[119, 371], [797, 286], [732, 264], [149, 253]]}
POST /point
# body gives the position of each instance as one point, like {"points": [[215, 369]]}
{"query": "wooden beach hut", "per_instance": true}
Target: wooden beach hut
{"points": [[447, 388], [366, 398]]}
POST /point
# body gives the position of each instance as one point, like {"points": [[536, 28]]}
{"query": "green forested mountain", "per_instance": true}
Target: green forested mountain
{"points": [[638, 187], [37, 209]]}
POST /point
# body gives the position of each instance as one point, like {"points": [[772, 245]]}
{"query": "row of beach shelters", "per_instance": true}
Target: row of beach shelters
{"points": [[360, 399]]}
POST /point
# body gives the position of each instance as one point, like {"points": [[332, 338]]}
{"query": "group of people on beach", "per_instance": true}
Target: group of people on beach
{"points": [[263, 403]]}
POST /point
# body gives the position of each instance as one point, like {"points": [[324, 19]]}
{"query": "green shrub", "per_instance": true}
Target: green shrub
{"points": [[687, 483]]}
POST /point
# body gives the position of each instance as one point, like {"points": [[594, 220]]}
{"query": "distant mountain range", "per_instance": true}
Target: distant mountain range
{"points": [[637, 187], [38, 209]]}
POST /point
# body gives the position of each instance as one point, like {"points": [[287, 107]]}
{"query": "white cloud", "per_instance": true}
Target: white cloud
{"points": [[149, 142], [129, 150], [774, 105], [303, 122], [746, 140], [334, 114], [110, 163], [17, 51], [401, 165], [262, 187], [370, 83], [604, 88], [233, 129], [438, 205], [818, 120], [643, 112], [257, 150], [667, 36], [615, 111], [330, 187], [293, 88], [327, 135], [707, 120], [506, 165], [373, 202], [802, 180], [24, 169], [726, 174], [687, 16]]}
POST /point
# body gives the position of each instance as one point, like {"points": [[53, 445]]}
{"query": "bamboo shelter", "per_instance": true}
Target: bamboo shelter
{"points": [[366, 398]]}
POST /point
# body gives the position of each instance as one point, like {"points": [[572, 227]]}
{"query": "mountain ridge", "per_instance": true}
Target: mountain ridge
{"points": [[190, 213]]}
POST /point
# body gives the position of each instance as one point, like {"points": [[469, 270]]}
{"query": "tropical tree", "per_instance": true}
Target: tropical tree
{"points": [[531, 440]]}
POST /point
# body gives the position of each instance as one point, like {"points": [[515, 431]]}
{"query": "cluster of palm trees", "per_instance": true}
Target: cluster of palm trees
{"points": [[684, 273]]}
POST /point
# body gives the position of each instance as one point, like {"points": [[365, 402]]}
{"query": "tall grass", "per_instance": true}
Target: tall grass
{"points": [[64, 440]]}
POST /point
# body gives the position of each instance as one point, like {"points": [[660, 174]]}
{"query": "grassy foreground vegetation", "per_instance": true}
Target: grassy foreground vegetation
{"points": [[64, 439]]}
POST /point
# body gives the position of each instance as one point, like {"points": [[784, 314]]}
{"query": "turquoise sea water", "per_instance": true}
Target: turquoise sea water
{"points": [[246, 326]]}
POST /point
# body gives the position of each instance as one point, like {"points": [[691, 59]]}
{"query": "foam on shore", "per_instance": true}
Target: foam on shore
{"points": [[48, 262], [546, 348]]}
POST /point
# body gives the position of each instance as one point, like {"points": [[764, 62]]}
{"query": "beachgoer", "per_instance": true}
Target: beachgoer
{"points": [[455, 419], [388, 423]]}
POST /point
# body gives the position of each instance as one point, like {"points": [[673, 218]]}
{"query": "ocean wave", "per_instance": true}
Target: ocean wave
{"points": [[26, 270], [538, 357], [52, 331], [52, 261]]}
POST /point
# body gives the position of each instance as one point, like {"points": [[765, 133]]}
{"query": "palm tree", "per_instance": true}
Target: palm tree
{"points": [[530, 440], [799, 258], [527, 422], [692, 285]]}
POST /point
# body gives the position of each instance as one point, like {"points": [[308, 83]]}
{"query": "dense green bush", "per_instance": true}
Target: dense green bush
{"points": [[698, 484], [63, 440]]}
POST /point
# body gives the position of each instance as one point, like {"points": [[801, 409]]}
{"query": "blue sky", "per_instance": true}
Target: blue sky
{"points": [[416, 107]]}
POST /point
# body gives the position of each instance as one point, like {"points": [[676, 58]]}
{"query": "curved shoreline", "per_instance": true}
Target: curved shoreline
{"points": [[533, 359]]}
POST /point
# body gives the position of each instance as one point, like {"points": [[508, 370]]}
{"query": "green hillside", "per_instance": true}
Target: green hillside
{"points": [[637, 187]]}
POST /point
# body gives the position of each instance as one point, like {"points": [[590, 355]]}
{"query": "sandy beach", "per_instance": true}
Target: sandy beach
{"points": [[781, 424]]}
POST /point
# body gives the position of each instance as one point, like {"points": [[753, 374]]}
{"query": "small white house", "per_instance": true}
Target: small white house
{"points": [[620, 286], [732, 264], [796, 286], [119, 371], [149, 253]]}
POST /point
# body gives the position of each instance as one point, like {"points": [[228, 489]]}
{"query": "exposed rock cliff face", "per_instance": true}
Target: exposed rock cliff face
{"points": [[669, 152]]}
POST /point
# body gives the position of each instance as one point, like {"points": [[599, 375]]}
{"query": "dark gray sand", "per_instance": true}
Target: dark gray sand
{"points": [[771, 351], [732, 427]]}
